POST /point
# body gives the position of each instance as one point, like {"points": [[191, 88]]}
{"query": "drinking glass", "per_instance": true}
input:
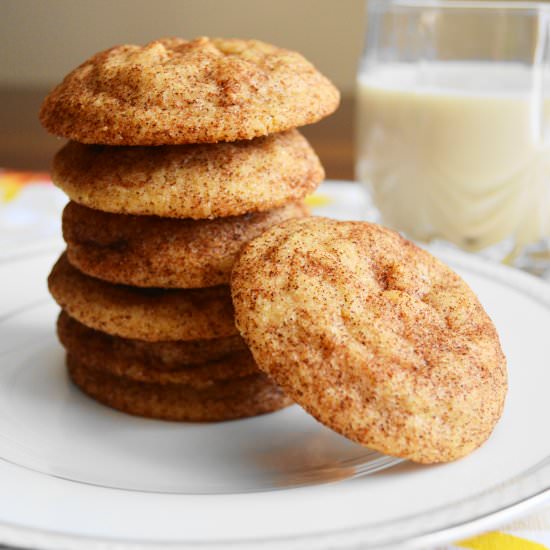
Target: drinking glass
{"points": [[453, 124]]}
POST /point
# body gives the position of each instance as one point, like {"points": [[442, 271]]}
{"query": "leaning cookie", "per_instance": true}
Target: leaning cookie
{"points": [[226, 400], [174, 91], [190, 181], [143, 314], [149, 251], [373, 336]]}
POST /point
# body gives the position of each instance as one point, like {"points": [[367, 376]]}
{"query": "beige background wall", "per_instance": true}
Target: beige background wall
{"points": [[41, 40]]}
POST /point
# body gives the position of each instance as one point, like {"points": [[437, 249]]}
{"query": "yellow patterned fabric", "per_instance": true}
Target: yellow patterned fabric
{"points": [[317, 200], [501, 541], [11, 183]]}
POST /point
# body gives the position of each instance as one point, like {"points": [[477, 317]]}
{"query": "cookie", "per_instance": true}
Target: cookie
{"points": [[373, 336], [174, 91], [161, 356], [149, 251], [143, 314], [190, 181], [105, 353], [226, 400]]}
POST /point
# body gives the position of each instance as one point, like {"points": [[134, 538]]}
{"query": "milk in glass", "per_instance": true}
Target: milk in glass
{"points": [[458, 151]]}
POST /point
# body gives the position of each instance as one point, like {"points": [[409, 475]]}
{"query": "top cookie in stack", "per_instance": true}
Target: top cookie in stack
{"points": [[175, 91], [181, 151]]}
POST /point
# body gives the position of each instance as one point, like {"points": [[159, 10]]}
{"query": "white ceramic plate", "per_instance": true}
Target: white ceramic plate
{"points": [[49, 426], [140, 479]]}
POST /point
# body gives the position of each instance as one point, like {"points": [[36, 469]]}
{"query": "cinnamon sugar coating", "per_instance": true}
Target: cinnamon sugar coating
{"points": [[149, 251], [116, 356], [143, 314], [174, 91], [138, 355], [225, 400], [190, 181], [373, 336]]}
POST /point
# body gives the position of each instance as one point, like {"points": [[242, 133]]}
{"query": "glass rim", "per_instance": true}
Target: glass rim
{"points": [[511, 5]]}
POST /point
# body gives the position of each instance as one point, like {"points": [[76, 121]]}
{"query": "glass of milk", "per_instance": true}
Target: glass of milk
{"points": [[453, 124]]}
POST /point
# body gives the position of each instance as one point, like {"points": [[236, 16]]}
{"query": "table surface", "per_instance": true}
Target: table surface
{"points": [[25, 145]]}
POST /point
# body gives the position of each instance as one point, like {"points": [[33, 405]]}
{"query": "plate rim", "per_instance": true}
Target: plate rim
{"points": [[42, 539], [24, 536]]}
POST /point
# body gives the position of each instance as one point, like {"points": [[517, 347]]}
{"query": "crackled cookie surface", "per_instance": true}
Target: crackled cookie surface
{"points": [[373, 336], [191, 181], [174, 91], [139, 313], [149, 251]]}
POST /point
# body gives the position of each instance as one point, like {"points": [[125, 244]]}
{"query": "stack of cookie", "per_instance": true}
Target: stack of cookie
{"points": [[180, 152]]}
